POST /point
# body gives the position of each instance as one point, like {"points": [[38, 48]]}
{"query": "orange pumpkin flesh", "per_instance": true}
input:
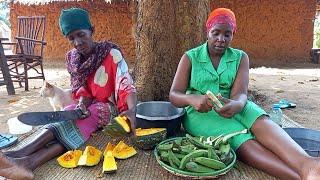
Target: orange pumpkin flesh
{"points": [[90, 157], [69, 159], [123, 151]]}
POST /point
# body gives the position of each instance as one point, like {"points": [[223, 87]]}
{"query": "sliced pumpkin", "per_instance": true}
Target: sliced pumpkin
{"points": [[109, 163], [123, 151], [144, 132], [149, 138], [118, 126], [124, 122], [69, 159], [109, 148], [90, 157]]}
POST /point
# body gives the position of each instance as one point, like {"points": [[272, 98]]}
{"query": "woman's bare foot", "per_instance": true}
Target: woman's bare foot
{"points": [[311, 170], [10, 170]]}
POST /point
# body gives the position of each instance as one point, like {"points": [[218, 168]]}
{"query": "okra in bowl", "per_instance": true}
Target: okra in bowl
{"points": [[195, 157]]}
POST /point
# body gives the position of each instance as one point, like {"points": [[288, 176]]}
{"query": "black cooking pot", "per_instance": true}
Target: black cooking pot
{"points": [[160, 114]]}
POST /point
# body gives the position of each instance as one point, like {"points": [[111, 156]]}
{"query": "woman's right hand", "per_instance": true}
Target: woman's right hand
{"points": [[85, 112], [201, 103], [83, 104]]}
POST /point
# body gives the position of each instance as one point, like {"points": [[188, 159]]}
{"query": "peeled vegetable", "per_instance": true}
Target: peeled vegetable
{"points": [[144, 132], [90, 157], [69, 159], [109, 163], [214, 100], [148, 138], [109, 148], [118, 126], [123, 151]]}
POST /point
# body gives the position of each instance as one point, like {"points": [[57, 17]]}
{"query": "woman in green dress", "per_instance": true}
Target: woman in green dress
{"points": [[221, 69]]}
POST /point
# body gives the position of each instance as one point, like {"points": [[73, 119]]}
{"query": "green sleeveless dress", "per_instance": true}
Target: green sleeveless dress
{"points": [[204, 77]]}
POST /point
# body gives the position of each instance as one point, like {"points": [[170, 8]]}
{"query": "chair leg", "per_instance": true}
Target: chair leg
{"points": [[26, 83], [41, 65], [17, 72]]}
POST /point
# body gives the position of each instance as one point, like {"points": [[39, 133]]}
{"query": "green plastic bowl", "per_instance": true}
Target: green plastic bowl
{"points": [[182, 173]]}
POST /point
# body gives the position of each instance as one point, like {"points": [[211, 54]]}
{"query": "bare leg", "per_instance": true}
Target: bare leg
{"points": [[21, 168], [280, 143], [41, 156], [38, 142], [255, 155], [10, 170]]}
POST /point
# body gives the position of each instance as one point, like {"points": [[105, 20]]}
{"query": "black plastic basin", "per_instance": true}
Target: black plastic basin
{"points": [[159, 114], [308, 139]]}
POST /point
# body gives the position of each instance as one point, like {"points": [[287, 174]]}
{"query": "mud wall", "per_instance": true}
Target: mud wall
{"points": [[273, 31], [112, 22]]}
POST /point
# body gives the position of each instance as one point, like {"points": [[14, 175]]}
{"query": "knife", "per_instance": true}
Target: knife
{"points": [[42, 118]]}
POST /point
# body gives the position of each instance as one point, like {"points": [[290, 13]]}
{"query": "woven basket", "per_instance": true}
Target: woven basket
{"points": [[193, 175]]}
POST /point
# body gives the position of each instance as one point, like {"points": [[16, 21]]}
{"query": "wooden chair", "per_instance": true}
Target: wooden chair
{"points": [[5, 78], [28, 51]]}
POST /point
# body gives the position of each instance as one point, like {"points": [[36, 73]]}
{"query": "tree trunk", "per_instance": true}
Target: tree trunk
{"points": [[164, 31]]}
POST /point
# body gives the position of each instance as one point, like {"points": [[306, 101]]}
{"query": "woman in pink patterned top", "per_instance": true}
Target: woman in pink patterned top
{"points": [[100, 84]]}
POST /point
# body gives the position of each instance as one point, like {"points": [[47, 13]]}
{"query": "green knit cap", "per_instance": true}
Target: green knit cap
{"points": [[74, 19]]}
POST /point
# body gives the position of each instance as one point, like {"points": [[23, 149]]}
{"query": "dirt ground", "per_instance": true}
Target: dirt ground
{"points": [[299, 83]]}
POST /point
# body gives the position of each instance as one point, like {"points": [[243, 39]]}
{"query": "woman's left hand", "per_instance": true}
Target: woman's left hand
{"points": [[131, 115], [230, 108]]}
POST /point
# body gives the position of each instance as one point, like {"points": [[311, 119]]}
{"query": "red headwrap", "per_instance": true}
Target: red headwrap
{"points": [[222, 16]]}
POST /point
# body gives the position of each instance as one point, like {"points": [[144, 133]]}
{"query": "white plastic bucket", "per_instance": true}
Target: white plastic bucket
{"points": [[17, 127]]}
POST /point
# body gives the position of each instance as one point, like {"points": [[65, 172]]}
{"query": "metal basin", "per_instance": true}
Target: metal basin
{"points": [[308, 139], [159, 114]]}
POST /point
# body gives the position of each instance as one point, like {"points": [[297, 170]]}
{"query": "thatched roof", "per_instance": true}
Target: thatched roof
{"points": [[40, 2]]}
